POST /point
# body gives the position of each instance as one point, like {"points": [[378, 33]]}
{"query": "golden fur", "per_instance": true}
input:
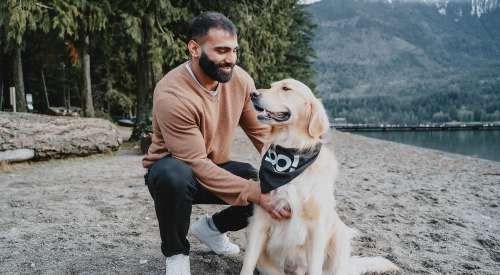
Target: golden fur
{"points": [[314, 240]]}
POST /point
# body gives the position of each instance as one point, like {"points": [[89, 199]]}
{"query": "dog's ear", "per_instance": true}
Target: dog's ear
{"points": [[318, 119]]}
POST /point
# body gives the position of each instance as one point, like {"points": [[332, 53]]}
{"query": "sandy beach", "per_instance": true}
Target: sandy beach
{"points": [[428, 211]]}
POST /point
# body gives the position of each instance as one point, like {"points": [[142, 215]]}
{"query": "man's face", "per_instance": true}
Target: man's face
{"points": [[218, 54]]}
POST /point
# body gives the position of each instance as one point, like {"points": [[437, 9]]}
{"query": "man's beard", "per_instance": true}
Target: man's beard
{"points": [[214, 70]]}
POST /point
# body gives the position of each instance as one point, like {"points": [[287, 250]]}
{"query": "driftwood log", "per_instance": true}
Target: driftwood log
{"points": [[54, 137]]}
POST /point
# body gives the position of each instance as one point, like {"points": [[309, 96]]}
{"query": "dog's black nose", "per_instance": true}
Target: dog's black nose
{"points": [[254, 95]]}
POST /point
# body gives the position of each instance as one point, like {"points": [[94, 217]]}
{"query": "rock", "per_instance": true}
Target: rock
{"points": [[54, 136]]}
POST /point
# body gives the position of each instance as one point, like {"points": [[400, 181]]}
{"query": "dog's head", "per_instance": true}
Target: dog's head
{"points": [[290, 105]]}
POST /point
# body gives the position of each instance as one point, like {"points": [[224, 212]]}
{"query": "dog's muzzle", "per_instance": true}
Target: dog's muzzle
{"points": [[265, 114]]}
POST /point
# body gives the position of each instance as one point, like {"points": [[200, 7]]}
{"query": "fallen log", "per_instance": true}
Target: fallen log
{"points": [[56, 136]]}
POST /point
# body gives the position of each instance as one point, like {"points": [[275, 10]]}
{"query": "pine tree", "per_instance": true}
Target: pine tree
{"points": [[78, 20], [16, 18], [151, 25], [136, 42], [274, 37]]}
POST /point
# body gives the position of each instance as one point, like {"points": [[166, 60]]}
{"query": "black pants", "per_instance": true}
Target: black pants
{"points": [[174, 189]]}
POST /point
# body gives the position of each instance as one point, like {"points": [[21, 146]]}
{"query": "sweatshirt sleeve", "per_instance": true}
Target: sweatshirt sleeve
{"points": [[256, 131], [184, 141]]}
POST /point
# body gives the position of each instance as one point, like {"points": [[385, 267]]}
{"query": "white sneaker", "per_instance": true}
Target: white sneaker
{"points": [[215, 240], [177, 265]]}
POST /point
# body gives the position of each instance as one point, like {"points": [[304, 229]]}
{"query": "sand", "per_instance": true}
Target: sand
{"points": [[430, 212]]}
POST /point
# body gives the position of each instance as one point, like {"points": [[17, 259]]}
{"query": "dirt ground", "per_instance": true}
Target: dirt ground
{"points": [[429, 212]]}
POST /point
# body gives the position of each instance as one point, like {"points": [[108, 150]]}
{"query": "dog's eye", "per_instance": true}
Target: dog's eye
{"points": [[285, 88]]}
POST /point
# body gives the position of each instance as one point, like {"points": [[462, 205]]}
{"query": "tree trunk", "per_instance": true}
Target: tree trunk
{"points": [[19, 80], [2, 65], [145, 79], [109, 78], [65, 89], [88, 105], [45, 100], [109, 86], [1, 94], [67, 96], [1, 76]]}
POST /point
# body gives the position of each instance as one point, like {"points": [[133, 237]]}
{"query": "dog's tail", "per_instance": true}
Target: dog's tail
{"points": [[344, 263], [361, 265]]}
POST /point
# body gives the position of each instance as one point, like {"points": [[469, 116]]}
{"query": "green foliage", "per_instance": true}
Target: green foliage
{"points": [[120, 100], [134, 43], [274, 37], [18, 17], [466, 100], [76, 18], [167, 47]]}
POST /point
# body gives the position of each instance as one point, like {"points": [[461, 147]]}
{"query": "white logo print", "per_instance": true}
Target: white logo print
{"points": [[274, 158]]}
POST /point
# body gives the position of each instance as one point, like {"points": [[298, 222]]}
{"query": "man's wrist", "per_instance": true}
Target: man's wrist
{"points": [[257, 199], [254, 196]]}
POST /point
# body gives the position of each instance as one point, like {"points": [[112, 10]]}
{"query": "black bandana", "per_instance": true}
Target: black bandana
{"points": [[281, 165]]}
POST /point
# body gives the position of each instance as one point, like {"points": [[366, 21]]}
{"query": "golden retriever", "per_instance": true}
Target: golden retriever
{"points": [[314, 240]]}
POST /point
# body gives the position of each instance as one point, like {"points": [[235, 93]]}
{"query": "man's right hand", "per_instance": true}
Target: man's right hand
{"points": [[268, 203]]}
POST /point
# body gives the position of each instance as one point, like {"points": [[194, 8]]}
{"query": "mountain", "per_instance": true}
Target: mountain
{"points": [[475, 7], [408, 61]]}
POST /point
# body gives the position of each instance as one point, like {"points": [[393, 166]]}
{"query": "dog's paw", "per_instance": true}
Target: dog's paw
{"points": [[281, 204]]}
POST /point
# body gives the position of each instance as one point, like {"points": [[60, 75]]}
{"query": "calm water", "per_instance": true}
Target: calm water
{"points": [[481, 144]]}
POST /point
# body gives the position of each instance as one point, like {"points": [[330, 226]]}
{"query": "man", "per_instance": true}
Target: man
{"points": [[196, 109]]}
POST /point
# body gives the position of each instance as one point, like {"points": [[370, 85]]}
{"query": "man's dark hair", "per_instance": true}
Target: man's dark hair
{"points": [[202, 23]]}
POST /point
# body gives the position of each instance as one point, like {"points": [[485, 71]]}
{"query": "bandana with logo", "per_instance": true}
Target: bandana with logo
{"points": [[280, 165]]}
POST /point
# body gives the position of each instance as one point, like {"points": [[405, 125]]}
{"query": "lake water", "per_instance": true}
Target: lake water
{"points": [[481, 144]]}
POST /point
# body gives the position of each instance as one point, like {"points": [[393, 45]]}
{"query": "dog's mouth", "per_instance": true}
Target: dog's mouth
{"points": [[265, 115]]}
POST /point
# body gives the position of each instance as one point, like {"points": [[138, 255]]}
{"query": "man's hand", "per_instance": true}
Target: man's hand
{"points": [[268, 203]]}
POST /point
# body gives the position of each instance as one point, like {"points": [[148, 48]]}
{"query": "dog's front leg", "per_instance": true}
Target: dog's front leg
{"points": [[316, 247], [257, 235]]}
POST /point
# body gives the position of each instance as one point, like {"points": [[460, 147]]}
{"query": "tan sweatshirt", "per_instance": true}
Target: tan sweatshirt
{"points": [[196, 126]]}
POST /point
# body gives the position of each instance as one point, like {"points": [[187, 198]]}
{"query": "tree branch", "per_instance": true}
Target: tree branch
{"points": [[44, 6], [159, 25]]}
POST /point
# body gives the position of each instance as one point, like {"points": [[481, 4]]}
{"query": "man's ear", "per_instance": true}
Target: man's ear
{"points": [[318, 119], [194, 49]]}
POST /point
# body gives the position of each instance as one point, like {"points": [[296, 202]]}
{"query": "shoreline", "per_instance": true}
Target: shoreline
{"points": [[416, 128], [429, 211]]}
